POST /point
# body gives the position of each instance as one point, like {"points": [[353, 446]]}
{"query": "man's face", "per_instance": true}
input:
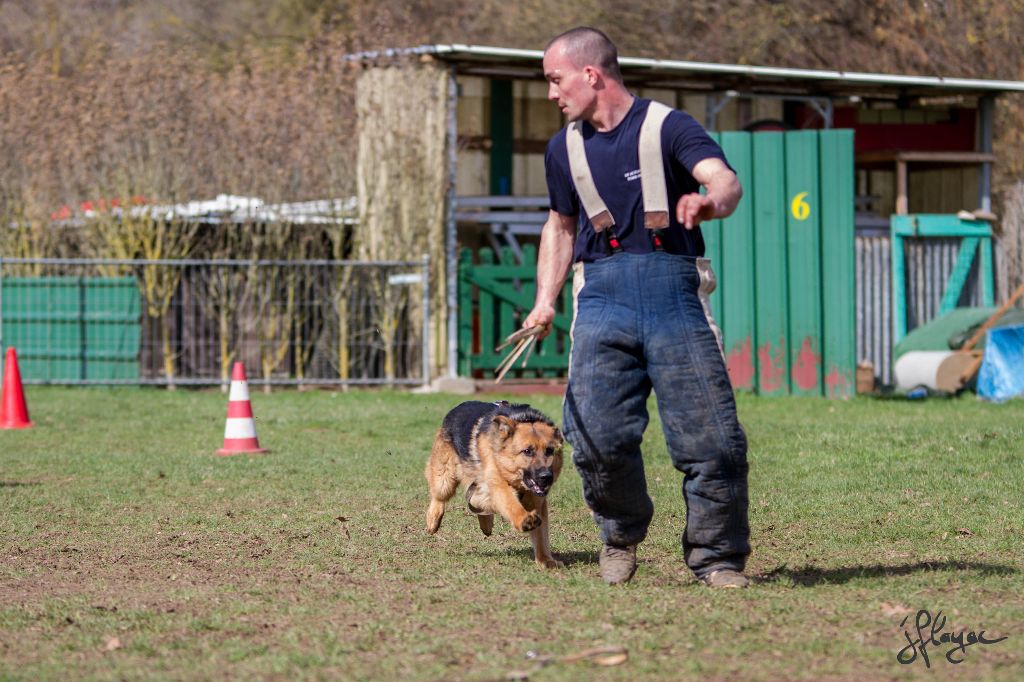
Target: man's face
{"points": [[569, 86]]}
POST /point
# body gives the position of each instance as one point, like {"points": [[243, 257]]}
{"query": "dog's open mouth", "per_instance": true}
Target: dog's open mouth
{"points": [[536, 487]]}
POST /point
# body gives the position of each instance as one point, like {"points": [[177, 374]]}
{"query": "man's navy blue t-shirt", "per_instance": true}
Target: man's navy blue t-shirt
{"points": [[614, 160]]}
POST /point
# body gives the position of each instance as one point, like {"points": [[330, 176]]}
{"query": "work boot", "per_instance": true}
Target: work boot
{"points": [[725, 577], [617, 563]]}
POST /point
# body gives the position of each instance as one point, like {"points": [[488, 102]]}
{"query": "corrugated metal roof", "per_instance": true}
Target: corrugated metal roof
{"points": [[225, 208], [497, 61]]}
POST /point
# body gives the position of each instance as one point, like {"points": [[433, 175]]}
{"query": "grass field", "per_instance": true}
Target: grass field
{"points": [[128, 551]]}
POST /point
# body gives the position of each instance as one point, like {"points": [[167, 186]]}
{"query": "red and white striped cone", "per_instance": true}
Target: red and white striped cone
{"points": [[240, 429]]}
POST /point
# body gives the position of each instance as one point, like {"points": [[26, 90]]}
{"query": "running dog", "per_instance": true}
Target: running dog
{"points": [[508, 457]]}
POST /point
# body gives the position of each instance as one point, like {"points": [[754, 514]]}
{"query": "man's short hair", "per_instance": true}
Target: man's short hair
{"points": [[587, 46]]}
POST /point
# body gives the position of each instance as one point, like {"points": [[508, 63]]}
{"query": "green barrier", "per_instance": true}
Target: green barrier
{"points": [[785, 264], [73, 328]]}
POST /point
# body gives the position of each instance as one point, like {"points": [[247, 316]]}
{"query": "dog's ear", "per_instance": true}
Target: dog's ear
{"points": [[558, 436], [506, 426]]}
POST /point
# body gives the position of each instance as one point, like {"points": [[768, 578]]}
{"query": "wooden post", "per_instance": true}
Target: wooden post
{"points": [[901, 187]]}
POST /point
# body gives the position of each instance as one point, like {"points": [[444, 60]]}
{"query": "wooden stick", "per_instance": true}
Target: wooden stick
{"points": [[523, 339], [510, 358], [507, 363], [975, 365], [603, 655], [971, 369], [516, 336], [993, 319]]}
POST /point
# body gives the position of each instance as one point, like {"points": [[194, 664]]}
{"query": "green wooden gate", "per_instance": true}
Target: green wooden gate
{"points": [[494, 296], [977, 240], [785, 266]]}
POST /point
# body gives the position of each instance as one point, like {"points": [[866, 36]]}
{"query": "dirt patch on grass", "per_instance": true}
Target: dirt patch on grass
{"points": [[222, 563]]}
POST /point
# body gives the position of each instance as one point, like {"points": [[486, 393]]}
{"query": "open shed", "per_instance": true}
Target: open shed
{"points": [[467, 126]]}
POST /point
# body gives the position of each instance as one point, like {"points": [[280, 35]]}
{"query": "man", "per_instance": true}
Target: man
{"points": [[639, 320]]}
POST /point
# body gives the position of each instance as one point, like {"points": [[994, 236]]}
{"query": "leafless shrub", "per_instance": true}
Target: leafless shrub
{"points": [[160, 127]]}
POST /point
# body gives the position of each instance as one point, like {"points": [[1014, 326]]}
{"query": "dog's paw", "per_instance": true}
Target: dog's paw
{"points": [[550, 562], [530, 522], [435, 512]]}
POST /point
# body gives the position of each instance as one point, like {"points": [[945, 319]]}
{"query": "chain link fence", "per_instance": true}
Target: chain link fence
{"points": [[185, 322]]}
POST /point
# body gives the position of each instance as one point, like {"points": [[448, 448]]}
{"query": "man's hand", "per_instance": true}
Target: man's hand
{"points": [[723, 193], [693, 209], [541, 315]]}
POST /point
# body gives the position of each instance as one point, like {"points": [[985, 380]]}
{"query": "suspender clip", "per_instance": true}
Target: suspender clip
{"points": [[611, 242], [658, 239]]}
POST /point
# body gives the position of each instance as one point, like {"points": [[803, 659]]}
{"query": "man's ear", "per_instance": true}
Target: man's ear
{"points": [[506, 426], [592, 75]]}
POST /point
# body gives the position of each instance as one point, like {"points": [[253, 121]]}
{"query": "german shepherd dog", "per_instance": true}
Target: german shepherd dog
{"points": [[508, 457]]}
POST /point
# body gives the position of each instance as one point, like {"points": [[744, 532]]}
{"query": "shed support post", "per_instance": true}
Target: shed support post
{"points": [[451, 236], [986, 105]]}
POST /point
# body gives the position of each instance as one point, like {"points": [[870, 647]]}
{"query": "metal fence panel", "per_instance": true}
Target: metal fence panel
{"points": [[928, 264], [874, 302], [183, 322]]}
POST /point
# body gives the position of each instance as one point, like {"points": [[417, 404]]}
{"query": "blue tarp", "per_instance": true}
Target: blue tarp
{"points": [[1002, 370]]}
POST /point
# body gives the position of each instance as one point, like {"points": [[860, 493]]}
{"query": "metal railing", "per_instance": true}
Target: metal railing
{"points": [[185, 322]]}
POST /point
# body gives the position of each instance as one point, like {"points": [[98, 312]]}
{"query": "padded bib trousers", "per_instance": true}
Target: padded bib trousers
{"points": [[640, 325]]}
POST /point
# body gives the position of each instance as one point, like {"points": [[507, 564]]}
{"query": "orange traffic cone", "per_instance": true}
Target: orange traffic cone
{"points": [[13, 411], [240, 429]]}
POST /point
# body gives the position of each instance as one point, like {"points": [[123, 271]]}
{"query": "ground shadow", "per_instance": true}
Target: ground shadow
{"points": [[568, 558], [17, 484], [809, 576]]}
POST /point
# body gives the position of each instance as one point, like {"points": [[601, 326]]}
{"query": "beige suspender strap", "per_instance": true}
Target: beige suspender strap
{"points": [[652, 173], [600, 217], [652, 168]]}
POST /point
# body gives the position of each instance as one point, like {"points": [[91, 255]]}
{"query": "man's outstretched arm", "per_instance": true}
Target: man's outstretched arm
{"points": [[723, 194]]}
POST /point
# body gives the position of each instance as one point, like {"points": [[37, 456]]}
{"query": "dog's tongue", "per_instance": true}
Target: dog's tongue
{"points": [[535, 488]]}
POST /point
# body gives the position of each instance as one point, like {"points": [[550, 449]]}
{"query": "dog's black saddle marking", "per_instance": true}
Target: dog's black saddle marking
{"points": [[462, 424], [468, 419]]}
